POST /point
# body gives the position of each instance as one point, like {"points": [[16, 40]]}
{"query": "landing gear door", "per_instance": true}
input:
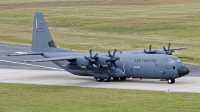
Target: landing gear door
{"points": [[156, 68], [159, 70]]}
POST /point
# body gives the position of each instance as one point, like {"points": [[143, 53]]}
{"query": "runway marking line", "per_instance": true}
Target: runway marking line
{"points": [[31, 65]]}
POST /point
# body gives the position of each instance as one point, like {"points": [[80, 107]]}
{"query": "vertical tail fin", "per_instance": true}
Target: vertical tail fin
{"points": [[41, 38]]}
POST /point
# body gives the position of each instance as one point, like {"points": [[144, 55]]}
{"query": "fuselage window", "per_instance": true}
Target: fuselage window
{"points": [[173, 67], [172, 61], [131, 70]]}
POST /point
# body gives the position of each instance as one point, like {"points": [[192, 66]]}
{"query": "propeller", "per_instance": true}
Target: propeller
{"points": [[168, 50], [112, 60], [92, 60], [149, 52]]}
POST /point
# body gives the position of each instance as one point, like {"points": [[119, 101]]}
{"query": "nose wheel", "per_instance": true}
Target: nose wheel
{"points": [[171, 81]]}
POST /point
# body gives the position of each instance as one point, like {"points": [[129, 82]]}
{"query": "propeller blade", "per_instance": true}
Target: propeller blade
{"points": [[110, 66], [145, 51], [97, 64], [87, 58], [150, 48], [90, 51], [117, 58], [114, 53], [95, 56], [108, 60], [92, 68], [115, 66], [169, 46], [109, 53], [164, 49]]}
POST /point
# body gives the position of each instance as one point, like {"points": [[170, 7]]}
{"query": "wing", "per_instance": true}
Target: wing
{"points": [[177, 48], [154, 51], [68, 58], [25, 53], [173, 48]]}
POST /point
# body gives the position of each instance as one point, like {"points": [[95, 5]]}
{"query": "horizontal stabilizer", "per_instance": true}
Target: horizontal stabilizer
{"points": [[171, 49], [25, 53], [187, 57], [157, 51], [68, 58], [177, 48]]}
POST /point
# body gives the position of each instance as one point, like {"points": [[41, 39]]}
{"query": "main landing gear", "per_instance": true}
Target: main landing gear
{"points": [[115, 78], [171, 81], [121, 78], [105, 80], [108, 79]]}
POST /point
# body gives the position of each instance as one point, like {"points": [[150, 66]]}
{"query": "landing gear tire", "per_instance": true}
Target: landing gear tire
{"points": [[123, 78], [171, 81], [107, 80], [98, 79], [115, 78]]}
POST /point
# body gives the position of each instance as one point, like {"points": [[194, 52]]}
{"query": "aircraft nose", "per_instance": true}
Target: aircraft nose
{"points": [[182, 71]]}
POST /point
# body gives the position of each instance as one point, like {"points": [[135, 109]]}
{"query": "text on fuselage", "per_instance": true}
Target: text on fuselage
{"points": [[146, 60]]}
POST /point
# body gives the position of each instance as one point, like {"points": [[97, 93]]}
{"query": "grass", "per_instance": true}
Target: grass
{"points": [[102, 25], [29, 98]]}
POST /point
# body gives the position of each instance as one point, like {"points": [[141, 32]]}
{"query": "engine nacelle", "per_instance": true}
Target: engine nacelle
{"points": [[80, 61], [116, 72], [102, 60]]}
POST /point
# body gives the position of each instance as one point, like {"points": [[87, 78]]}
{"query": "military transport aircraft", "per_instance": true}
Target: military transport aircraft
{"points": [[148, 64]]}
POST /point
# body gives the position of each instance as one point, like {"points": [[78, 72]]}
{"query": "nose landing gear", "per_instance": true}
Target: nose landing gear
{"points": [[171, 81]]}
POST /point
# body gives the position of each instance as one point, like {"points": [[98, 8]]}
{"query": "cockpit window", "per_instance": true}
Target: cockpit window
{"points": [[171, 61]]}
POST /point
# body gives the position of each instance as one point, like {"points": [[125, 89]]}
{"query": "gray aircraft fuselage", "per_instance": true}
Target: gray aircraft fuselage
{"points": [[156, 66]]}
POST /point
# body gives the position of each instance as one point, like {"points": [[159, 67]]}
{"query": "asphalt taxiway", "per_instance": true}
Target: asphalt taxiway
{"points": [[15, 70]]}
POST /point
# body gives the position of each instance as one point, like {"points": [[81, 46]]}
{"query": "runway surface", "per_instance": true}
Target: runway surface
{"points": [[63, 78], [15, 70]]}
